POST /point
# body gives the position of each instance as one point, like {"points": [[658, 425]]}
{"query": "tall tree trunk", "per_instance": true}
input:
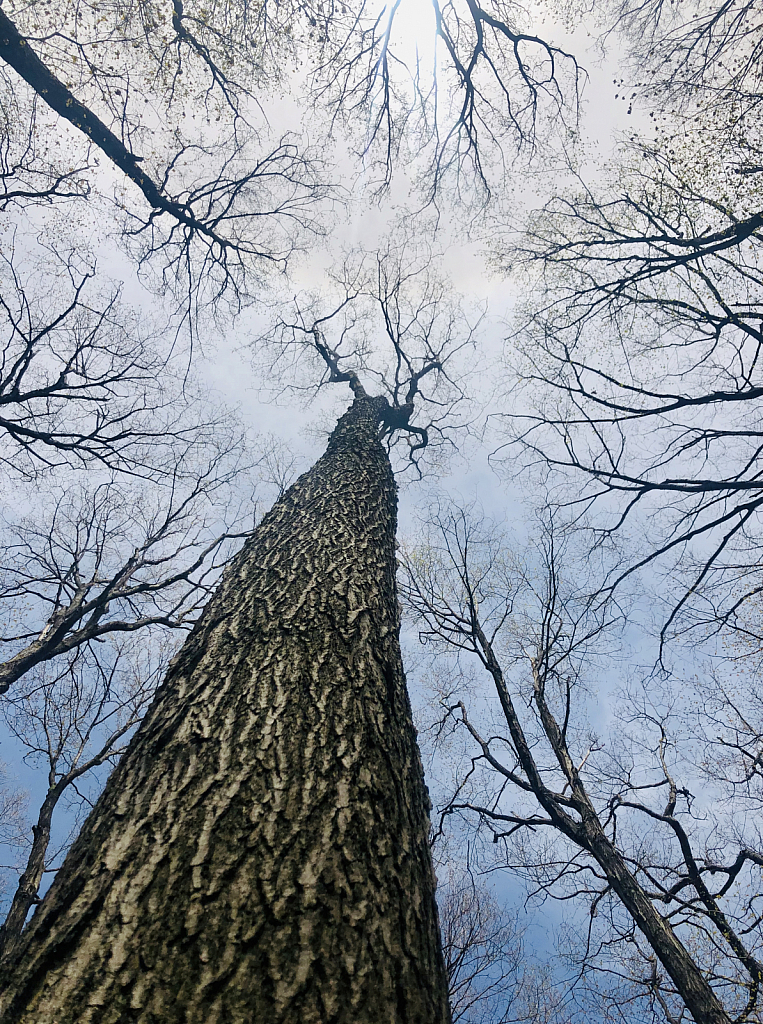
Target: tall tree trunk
{"points": [[260, 854]]}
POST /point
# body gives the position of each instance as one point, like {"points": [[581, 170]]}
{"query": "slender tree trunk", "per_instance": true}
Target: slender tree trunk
{"points": [[29, 883], [692, 986], [260, 854], [586, 831]]}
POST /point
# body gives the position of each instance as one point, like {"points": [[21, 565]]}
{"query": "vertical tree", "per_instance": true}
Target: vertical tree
{"points": [[261, 852], [651, 822], [72, 716]]}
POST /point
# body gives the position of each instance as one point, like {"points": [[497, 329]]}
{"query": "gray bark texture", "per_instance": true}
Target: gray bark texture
{"points": [[261, 854]]}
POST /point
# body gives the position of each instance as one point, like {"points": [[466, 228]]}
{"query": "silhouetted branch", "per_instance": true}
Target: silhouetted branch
{"points": [[72, 716], [426, 334], [535, 631], [112, 560]]}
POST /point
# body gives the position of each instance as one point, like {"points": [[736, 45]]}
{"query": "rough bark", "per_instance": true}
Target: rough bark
{"points": [[260, 854]]}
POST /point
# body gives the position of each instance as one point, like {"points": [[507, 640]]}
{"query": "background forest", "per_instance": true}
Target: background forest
{"points": [[537, 231]]}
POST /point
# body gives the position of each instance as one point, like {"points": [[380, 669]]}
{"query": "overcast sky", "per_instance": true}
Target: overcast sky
{"points": [[227, 366]]}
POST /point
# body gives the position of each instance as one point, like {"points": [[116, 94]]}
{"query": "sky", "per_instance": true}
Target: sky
{"points": [[225, 360]]}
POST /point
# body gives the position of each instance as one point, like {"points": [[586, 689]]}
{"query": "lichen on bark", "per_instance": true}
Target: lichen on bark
{"points": [[261, 852]]}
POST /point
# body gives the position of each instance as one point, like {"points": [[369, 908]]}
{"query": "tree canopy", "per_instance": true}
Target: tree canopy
{"points": [[308, 182]]}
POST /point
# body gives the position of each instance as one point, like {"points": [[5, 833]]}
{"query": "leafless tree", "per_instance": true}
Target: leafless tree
{"points": [[100, 558], [124, 473], [85, 380], [29, 172], [278, 466], [218, 200], [638, 826], [71, 716], [699, 51], [635, 361], [309, 601], [14, 833], [490, 87], [391, 319], [14, 825], [218, 203], [484, 955]]}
